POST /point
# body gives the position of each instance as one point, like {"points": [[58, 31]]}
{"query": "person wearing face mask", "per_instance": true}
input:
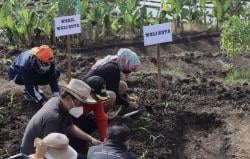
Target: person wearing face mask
{"points": [[94, 116], [116, 146], [56, 116], [110, 68], [35, 67]]}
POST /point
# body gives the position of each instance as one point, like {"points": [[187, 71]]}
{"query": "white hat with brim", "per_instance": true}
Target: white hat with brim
{"points": [[58, 147], [80, 90], [67, 153]]}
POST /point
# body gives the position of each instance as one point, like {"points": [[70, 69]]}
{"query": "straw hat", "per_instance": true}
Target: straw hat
{"points": [[43, 53], [58, 147], [80, 90]]}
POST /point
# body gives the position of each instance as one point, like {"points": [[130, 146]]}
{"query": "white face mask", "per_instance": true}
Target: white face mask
{"points": [[76, 111]]}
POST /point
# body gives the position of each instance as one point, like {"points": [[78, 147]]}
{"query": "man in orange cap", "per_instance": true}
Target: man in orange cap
{"points": [[35, 67]]}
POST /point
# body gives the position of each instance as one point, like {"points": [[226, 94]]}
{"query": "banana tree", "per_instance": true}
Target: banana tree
{"points": [[129, 17], [191, 13], [19, 25], [176, 10], [220, 10], [203, 10], [96, 18], [84, 8], [22, 24], [66, 7], [26, 23]]}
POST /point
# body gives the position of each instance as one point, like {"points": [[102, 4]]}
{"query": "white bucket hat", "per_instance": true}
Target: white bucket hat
{"points": [[58, 147], [80, 90], [53, 146]]}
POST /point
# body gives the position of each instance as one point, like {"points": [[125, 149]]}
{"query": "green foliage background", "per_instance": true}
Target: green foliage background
{"points": [[28, 23]]}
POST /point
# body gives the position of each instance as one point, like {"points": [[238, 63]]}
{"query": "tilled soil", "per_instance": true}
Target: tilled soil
{"points": [[198, 116]]}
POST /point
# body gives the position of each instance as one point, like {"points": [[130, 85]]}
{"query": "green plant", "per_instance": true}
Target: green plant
{"points": [[10, 99], [235, 39], [246, 12], [153, 139], [66, 7], [220, 10], [238, 75], [144, 154], [130, 17], [177, 72], [22, 24], [203, 10], [174, 9], [95, 17]]}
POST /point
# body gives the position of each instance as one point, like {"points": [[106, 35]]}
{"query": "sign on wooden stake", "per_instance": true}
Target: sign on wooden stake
{"points": [[155, 35], [66, 26]]}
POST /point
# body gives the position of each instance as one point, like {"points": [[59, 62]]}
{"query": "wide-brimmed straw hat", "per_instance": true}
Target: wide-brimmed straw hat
{"points": [[58, 147], [80, 90]]}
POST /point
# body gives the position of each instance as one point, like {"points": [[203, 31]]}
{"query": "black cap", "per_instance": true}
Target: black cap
{"points": [[97, 85]]}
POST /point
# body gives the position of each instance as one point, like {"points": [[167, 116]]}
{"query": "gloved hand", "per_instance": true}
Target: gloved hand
{"points": [[55, 94]]}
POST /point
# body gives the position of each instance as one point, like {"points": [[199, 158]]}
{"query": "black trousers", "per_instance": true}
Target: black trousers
{"points": [[41, 79], [88, 125]]}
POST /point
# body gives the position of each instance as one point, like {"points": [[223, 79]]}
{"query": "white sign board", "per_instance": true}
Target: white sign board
{"points": [[67, 25], [156, 34]]}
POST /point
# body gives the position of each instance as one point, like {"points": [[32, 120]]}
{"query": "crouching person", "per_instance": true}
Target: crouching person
{"points": [[110, 68], [55, 116], [116, 146], [94, 116], [35, 67]]}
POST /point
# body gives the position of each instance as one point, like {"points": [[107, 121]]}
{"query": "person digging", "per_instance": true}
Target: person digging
{"points": [[110, 69], [93, 116], [33, 68], [56, 116]]}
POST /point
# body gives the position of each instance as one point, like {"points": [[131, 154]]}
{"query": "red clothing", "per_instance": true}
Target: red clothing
{"points": [[100, 117]]}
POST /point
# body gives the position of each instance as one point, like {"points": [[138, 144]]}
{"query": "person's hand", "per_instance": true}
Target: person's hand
{"points": [[133, 105], [105, 140], [95, 141], [132, 99]]}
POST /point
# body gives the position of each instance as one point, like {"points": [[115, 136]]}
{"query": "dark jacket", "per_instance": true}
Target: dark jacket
{"points": [[110, 72], [109, 150], [30, 78]]}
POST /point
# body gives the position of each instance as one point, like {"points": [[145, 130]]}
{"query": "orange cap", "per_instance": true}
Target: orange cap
{"points": [[43, 53]]}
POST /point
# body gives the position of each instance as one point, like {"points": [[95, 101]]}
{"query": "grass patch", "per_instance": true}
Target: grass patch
{"points": [[238, 76], [177, 72]]}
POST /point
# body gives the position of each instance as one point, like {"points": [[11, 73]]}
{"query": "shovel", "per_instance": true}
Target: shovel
{"points": [[133, 113]]}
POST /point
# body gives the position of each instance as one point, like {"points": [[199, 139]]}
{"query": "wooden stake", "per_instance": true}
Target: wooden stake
{"points": [[69, 57], [159, 72]]}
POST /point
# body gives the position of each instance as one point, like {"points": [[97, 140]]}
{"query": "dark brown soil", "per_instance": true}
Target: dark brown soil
{"points": [[198, 116]]}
